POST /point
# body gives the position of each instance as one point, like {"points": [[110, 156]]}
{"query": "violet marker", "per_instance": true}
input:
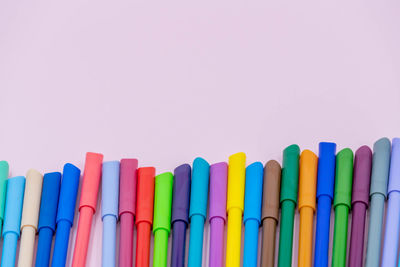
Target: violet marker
{"points": [[180, 213], [217, 212], [360, 195]]}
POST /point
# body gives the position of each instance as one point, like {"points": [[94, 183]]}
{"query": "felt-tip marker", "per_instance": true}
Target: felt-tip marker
{"points": [[378, 193], [87, 206], [234, 207], [217, 212], [162, 217], [252, 213], [12, 220], [342, 204], [65, 213], [325, 188], [359, 203], [127, 210], [270, 211], [180, 214], [30, 216], [144, 214], [288, 200], [391, 237], [307, 198], [198, 210], [109, 211], [47, 217]]}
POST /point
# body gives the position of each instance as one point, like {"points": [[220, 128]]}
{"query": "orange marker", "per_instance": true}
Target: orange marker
{"points": [[87, 206], [307, 196]]}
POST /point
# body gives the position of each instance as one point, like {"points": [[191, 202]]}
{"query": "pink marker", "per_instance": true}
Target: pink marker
{"points": [[217, 213], [127, 210]]}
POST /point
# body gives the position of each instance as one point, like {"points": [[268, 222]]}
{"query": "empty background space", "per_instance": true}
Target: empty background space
{"points": [[166, 82]]}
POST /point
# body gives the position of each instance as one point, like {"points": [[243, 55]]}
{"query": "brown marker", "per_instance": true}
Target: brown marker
{"points": [[270, 211]]}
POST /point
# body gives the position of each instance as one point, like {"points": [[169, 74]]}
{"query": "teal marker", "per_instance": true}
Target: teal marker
{"points": [[4, 169]]}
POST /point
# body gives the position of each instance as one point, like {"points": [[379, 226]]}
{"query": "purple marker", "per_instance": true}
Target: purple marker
{"points": [[217, 213], [180, 214]]}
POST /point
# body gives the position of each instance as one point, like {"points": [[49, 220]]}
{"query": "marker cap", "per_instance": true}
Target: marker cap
{"points": [[68, 193], [271, 187], [218, 183], [91, 180], [394, 173], [326, 169], [290, 173], [14, 202], [127, 186], [49, 201], [145, 195], [181, 193], [362, 175], [253, 193], [4, 169], [308, 179], [33, 191], [236, 181], [163, 201], [199, 188], [380, 166], [110, 188], [344, 177]]}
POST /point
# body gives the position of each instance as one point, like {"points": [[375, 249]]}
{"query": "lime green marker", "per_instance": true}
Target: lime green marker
{"points": [[342, 204], [3, 188], [162, 217], [289, 190]]}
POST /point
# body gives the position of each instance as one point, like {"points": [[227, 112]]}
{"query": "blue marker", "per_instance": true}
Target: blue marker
{"points": [[325, 188], [12, 219], [198, 210], [47, 217], [65, 213], [252, 212], [109, 210]]}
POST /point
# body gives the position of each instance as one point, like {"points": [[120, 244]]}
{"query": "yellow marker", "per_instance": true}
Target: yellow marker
{"points": [[234, 207], [307, 196]]}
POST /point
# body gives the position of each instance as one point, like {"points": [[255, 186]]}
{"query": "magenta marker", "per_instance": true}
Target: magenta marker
{"points": [[217, 212]]}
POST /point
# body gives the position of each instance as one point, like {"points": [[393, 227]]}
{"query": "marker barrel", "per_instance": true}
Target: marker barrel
{"points": [[378, 192], [143, 244], [60, 251], [250, 243], [4, 170], [340, 236], [196, 240], [44, 247], [286, 234], [160, 257], [217, 226], [178, 243], [109, 238]]}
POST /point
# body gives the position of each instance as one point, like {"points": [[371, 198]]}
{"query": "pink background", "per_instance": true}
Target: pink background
{"points": [[166, 82]]}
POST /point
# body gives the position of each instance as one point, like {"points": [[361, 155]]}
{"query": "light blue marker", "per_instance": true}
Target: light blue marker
{"points": [[252, 212], [12, 219], [109, 211]]}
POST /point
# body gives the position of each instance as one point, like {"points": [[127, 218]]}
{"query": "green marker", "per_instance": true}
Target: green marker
{"points": [[342, 204], [289, 188], [3, 189], [162, 217]]}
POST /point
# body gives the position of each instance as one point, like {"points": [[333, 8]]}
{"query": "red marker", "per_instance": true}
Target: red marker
{"points": [[144, 215], [87, 206]]}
